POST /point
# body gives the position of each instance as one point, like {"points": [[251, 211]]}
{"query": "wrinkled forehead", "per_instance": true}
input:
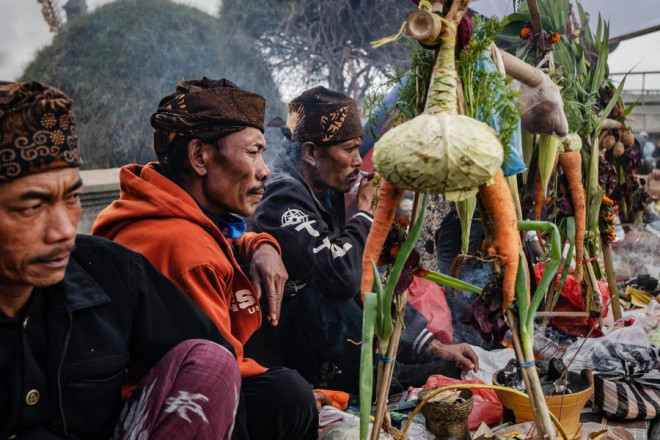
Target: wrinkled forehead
{"points": [[46, 185]]}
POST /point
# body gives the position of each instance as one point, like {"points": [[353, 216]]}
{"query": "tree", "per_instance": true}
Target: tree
{"points": [[117, 62], [327, 41]]}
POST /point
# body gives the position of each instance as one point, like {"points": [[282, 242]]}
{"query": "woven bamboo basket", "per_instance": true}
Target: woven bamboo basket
{"points": [[448, 420]]}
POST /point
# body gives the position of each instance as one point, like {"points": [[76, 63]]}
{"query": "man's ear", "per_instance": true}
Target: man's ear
{"points": [[198, 157], [309, 153]]}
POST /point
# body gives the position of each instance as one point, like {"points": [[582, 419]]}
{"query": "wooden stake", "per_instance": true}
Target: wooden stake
{"points": [[611, 278], [385, 380]]}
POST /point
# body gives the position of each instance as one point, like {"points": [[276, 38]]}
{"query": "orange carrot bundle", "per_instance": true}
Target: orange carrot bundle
{"points": [[498, 203], [389, 197], [571, 163]]}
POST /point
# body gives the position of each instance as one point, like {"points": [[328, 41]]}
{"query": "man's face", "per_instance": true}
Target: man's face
{"points": [[236, 173], [337, 166], [38, 219]]}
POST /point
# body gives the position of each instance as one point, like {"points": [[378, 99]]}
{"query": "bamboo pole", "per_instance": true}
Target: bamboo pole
{"points": [[520, 70], [611, 278], [423, 26], [385, 370], [537, 23], [385, 379]]}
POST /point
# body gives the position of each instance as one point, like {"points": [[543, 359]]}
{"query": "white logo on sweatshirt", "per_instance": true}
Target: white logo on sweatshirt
{"points": [[293, 217], [335, 250], [244, 299]]}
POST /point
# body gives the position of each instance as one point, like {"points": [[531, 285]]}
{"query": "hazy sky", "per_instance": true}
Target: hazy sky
{"points": [[24, 32]]}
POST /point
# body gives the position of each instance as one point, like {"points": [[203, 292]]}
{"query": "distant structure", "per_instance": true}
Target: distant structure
{"points": [[74, 9]]}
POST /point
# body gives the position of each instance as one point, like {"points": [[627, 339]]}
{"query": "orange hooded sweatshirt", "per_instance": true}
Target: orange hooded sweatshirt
{"points": [[156, 217]]}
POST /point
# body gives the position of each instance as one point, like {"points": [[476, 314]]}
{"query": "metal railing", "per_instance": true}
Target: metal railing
{"points": [[637, 91]]}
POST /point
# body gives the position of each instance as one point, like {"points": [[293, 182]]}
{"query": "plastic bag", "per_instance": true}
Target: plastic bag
{"points": [[626, 351], [542, 109], [513, 162], [489, 363], [429, 299], [487, 407], [626, 380], [338, 425], [571, 300], [550, 343], [637, 254]]}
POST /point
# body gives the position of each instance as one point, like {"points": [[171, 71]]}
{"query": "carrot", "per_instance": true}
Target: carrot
{"points": [[571, 163], [498, 203], [389, 196]]}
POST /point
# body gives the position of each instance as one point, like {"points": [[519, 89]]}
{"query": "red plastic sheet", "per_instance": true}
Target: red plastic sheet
{"points": [[572, 300], [429, 298]]}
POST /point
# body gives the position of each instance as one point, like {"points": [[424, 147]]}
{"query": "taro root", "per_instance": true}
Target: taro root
{"points": [[608, 142], [618, 150], [628, 139]]}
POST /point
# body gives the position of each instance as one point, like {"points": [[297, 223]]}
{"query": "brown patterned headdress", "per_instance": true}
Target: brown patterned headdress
{"points": [[324, 116], [37, 130], [205, 108]]}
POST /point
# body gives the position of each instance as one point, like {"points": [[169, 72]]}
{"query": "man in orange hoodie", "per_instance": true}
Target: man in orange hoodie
{"points": [[182, 214]]}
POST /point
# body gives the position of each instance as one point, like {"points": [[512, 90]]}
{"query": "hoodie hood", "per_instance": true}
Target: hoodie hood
{"points": [[146, 194]]}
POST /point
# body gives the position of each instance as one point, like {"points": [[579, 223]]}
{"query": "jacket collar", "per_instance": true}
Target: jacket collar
{"points": [[283, 164], [79, 289]]}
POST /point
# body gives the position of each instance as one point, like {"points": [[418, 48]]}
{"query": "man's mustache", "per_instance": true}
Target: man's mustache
{"points": [[58, 252]]}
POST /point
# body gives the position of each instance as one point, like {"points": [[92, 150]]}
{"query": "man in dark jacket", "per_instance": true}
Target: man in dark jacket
{"points": [[77, 311], [303, 208]]}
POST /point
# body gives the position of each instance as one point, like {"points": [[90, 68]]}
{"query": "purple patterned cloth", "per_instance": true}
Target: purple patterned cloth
{"points": [[193, 392]]}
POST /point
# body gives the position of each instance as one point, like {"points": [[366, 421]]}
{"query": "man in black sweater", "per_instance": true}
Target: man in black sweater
{"points": [[77, 311]]}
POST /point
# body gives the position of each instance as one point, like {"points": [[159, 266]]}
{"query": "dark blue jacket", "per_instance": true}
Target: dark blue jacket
{"points": [[322, 252], [112, 308]]}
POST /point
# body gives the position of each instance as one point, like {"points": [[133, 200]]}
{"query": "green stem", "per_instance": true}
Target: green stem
{"points": [[454, 283], [550, 270], [367, 361]]}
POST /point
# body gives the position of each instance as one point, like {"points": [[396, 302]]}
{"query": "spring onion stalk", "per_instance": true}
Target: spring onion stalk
{"points": [[366, 359], [570, 235], [386, 333], [527, 308], [386, 304], [454, 283]]}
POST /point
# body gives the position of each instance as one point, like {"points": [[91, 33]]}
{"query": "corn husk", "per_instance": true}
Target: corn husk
{"points": [[465, 210], [572, 142], [547, 154], [440, 153]]}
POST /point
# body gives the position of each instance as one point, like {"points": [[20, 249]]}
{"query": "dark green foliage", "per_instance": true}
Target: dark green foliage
{"points": [[117, 62]]}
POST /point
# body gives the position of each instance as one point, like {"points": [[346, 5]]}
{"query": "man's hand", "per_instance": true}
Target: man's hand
{"points": [[321, 400], [267, 272], [462, 354], [365, 194]]}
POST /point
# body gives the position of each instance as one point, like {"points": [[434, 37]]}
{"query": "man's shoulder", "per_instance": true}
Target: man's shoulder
{"points": [[92, 243], [93, 251], [282, 182]]}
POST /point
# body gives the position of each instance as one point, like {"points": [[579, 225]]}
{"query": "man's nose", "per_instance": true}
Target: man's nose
{"points": [[262, 171], [61, 224], [357, 159]]}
